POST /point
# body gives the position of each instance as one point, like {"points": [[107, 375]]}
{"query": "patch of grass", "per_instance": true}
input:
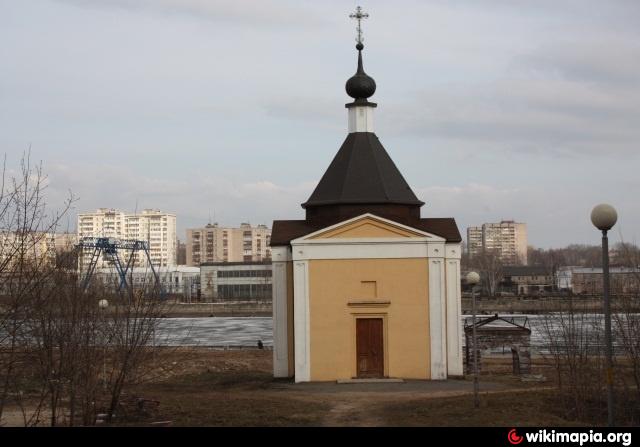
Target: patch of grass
{"points": [[226, 398], [215, 381], [238, 398], [533, 408], [233, 409]]}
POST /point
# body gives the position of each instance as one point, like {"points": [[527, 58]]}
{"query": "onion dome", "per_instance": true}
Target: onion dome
{"points": [[360, 85]]}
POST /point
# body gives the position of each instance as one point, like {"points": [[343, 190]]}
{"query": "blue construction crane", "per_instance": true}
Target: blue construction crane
{"points": [[109, 247]]}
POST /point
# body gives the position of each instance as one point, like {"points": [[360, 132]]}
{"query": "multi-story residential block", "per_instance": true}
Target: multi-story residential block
{"points": [[36, 247], [225, 244], [159, 230], [153, 226], [507, 238], [474, 240], [65, 242]]}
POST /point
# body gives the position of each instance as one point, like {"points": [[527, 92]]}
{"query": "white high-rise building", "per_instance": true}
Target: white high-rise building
{"points": [[153, 226], [507, 238], [159, 230]]}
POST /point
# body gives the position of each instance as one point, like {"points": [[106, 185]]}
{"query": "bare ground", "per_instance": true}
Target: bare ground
{"points": [[203, 387], [236, 388]]}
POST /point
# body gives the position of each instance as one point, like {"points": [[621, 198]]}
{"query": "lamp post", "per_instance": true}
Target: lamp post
{"points": [[103, 304], [604, 217], [472, 279]]}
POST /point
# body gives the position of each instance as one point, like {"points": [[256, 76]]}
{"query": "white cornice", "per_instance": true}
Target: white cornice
{"points": [[306, 238]]}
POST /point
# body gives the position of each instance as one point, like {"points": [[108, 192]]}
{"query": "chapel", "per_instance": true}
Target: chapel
{"points": [[365, 287]]}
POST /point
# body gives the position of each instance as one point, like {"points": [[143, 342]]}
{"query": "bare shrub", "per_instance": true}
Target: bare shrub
{"points": [[626, 329], [63, 359], [574, 344], [25, 263]]}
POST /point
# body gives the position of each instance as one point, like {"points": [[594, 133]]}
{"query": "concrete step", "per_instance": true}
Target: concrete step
{"points": [[370, 381]]}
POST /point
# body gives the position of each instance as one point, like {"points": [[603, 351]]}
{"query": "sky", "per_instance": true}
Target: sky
{"points": [[230, 111]]}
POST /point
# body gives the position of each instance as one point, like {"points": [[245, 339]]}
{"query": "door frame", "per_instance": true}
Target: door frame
{"points": [[385, 343]]}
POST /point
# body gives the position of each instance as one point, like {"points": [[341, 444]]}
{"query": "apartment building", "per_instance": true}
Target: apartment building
{"points": [[474, 240], [151, 225], [65, 242], [506, 238], [34, 247], [159, 230], [214, 243]]}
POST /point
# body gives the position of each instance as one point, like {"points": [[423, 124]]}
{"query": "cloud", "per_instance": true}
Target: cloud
{"points": [[554, 217], [472, 203], [540, 112], [193, 201], [235, 108], [607, 60], [325, 110], [264, 13]]}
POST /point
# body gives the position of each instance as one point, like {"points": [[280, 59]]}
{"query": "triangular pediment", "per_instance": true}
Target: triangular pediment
{"points": [[367, 227]]}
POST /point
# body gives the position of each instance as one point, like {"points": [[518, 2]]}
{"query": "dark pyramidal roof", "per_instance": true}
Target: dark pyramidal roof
{"points": [[361, 179], [362, 172]]}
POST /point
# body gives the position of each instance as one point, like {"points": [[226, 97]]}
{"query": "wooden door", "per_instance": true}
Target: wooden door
{"points": [[369, 347]]}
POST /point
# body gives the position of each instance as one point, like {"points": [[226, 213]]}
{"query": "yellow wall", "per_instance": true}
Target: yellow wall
{"points": [[401, 282]]}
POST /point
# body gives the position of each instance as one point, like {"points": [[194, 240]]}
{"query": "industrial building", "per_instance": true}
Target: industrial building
{"points": [[588, 280], [180, 282], [236, 281], [527, 280]]}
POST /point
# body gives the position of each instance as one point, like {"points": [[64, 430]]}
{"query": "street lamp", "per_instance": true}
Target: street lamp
{"points": [[604, 217], [103, 304], [472, 279]]}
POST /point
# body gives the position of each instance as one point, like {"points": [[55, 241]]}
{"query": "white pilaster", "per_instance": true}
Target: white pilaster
{"points": [[360, 119], [301, 320], [280, 351], [437, 318], [280, 257], [454, 329]]}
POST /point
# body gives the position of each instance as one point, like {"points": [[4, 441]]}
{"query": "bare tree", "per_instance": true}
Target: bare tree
{"points": [[574, 341], [489, 265], [25, 262], [132, 326], [62, 358], [626, 319]]}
